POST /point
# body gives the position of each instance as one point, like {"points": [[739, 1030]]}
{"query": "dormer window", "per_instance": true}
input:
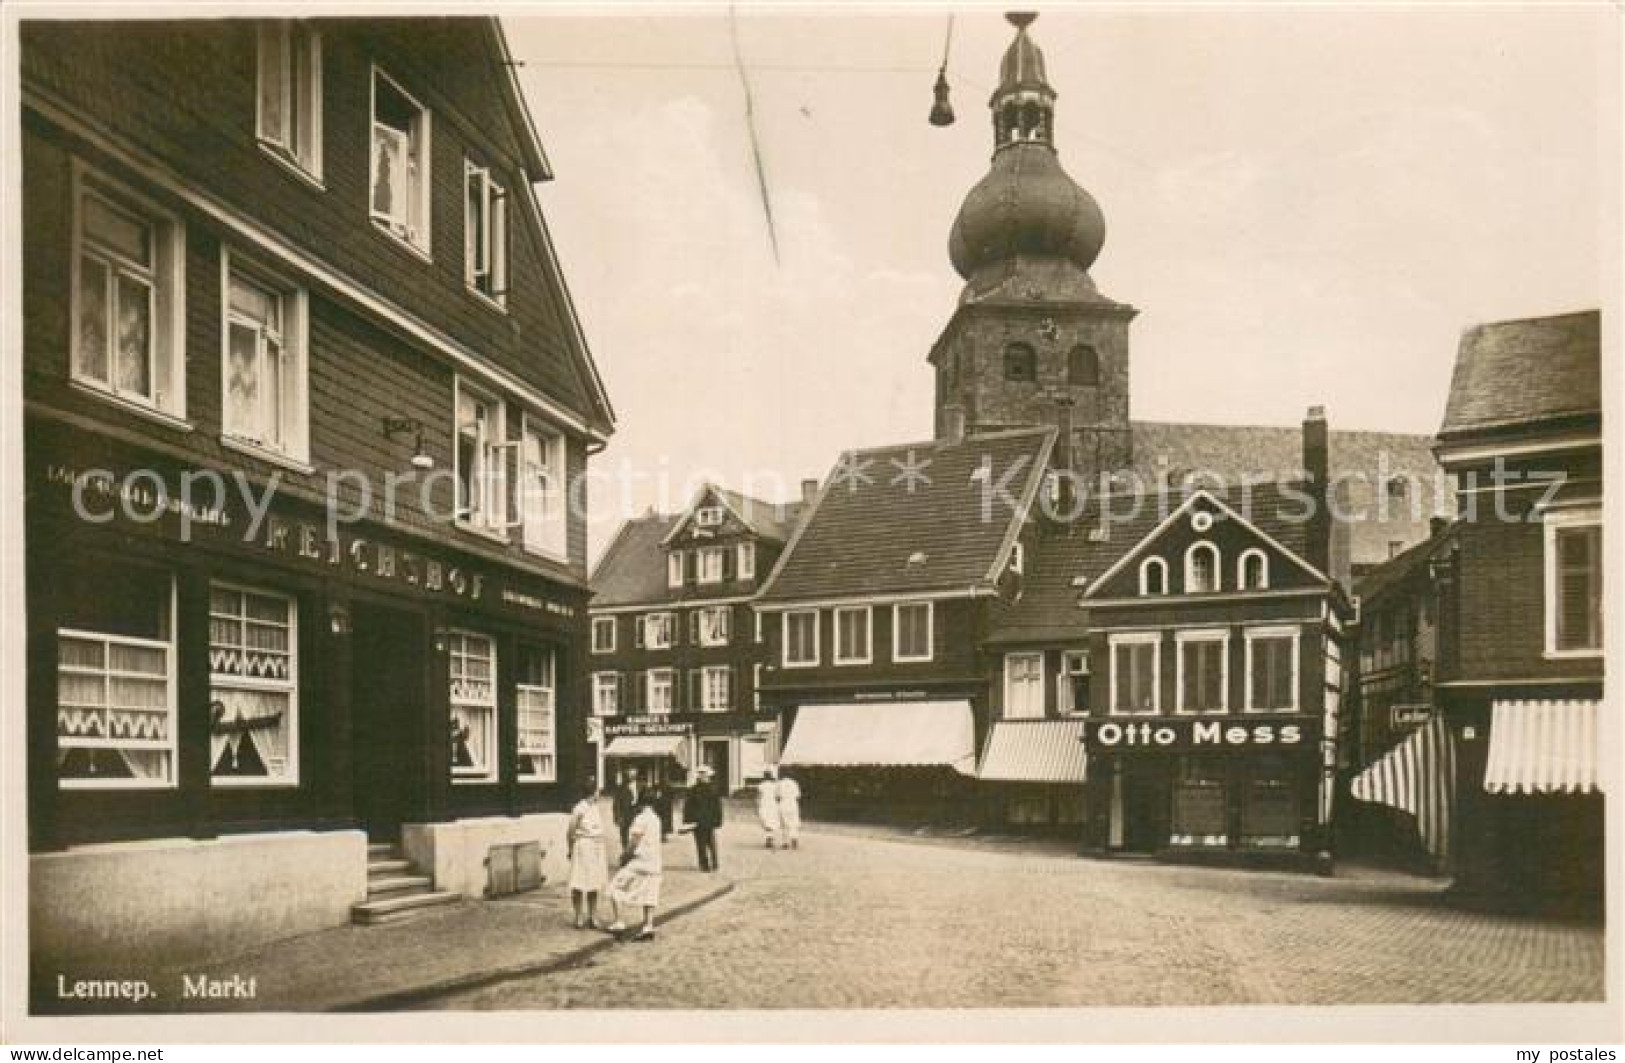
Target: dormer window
{"points": [[708, 516], [1153, 576], [1202, 568]]}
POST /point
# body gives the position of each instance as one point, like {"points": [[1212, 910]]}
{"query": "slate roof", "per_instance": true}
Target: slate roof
{"points": [[871, 518], [633, 568], [1062, 559], [1515, 372], [1373, 584]]}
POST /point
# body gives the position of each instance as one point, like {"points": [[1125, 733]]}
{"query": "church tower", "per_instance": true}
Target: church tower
{"points": [[1033, 341]]}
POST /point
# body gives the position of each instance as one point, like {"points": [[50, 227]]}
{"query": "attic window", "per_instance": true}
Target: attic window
{"points": [[1018, 558], [708, 517]]}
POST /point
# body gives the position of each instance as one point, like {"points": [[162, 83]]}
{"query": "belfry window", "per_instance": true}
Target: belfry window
{"points": [[1083, 366], [1020, 363]]}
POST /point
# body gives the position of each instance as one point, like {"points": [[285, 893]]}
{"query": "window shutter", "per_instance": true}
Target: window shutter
{"points": [[637, 632], [695, 689]]}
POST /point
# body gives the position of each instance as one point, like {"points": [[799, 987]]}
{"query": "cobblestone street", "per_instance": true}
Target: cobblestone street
{"points": [[858, 919]]}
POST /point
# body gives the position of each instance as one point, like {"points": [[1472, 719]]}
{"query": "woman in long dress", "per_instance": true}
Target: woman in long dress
{"points": [[767, 806], [637, 883], [589, 860], [790, 811]]}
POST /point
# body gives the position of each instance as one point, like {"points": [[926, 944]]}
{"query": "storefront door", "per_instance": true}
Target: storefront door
{"points": [[388, 694], [1142, 795]]}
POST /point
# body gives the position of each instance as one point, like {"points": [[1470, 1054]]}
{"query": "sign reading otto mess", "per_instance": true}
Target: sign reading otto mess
{"points": [[1183, 734]]}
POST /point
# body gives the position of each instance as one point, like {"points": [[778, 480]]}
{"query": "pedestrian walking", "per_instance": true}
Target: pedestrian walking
{"points": [[790, 811], [767, 806], [589, 860], [625, 804], [637, 883], [704, 811], [662, 805]]}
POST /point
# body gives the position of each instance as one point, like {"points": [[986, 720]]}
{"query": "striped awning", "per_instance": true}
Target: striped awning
{"points": [[656, 746], [1417, 776], [883, 734], [1034, 751], [1542, 747]]}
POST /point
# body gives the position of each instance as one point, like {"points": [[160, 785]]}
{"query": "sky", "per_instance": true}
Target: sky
{"points": [[1307, 206]]}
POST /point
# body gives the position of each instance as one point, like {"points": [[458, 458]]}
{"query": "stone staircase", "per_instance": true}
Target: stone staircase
{"points": [[395, 889]]}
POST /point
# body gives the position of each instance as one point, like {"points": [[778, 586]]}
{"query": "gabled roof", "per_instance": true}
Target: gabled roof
{"points": [[910, 519], [1375, 584], [633, 568], [1511, 373], [767, 520]]}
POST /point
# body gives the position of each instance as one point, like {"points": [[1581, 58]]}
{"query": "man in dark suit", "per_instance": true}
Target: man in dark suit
{"points": [[704, 810], [625, 804]]}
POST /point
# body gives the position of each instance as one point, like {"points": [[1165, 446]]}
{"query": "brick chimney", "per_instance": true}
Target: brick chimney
{"points": [[1317, 466], [809, 491]]}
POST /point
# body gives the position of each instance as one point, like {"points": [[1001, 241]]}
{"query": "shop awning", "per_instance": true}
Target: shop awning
{"points": [[1543, 747], [883, 734], [1034, 751], [657, 746], [1417, 776]]}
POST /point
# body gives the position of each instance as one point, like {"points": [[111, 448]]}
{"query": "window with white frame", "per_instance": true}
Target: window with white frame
{"points": [[603, 634], [1023, 686], [288, 118], [1253, 571], [485, 234], [1018, 558], [1204, 673], [253, 687], [1136, 660], [1153, 576], [128, 295], [674, 569], [801, 638], [264, 375], [535, 701], [606, 693], [716, 689], [1074, 682], [400, 162], [658, 631], [658, 693], [853, 635], [473, 673], [1573, 583], [747, 560], [1272, 669], [481, 435], [716, 625], [911, 631], [115, 682], [542, 494], [710, 565], [1201, 568], [708, 516]]}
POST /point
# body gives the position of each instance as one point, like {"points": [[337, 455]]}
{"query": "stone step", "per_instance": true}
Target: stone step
{"points": [[370, 913], [397, 884], [382, 849], [388, 867]]}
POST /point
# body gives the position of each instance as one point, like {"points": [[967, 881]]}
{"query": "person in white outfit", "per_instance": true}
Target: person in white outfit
{"points": [[790, 811], [637, 883], [589, 860], [767, 806]]}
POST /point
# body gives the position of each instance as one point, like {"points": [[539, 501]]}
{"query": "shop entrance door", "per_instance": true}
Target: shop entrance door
{"points": [[388, 687], [1143, 798], [714, 755]]}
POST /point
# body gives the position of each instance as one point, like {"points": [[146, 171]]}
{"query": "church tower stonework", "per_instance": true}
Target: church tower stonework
{"points": [[1033, 341]]}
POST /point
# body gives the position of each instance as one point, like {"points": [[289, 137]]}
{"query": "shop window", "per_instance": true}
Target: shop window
{"points": [[473, 707], [711, 565], [1272, 670], [535, 698], [1253, 571], [1153, 576], [1083, 366], [542, 495], [603, 634], [400, 163], [747, 560], [606, 693], [716, 625], [289, 113], [659, 692], [1203, 671], [912, 631], [1024, 686], [1199, 814], [1135, 664], [1574, 583], [1201, 568], [264, 366], [658, 631], [1074, 682], [128, 337], [674, 569], [115, 713], [716, 689], [853, 635], [801, 638], [481, 434], [253, 687], [485, 234], [1020, 363], [1269, 816]]}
